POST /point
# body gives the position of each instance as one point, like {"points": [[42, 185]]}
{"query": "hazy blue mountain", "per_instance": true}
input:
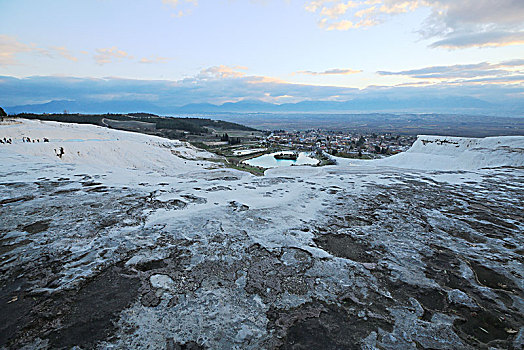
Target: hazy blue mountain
{"points": [[60, 106], [362, 104]]}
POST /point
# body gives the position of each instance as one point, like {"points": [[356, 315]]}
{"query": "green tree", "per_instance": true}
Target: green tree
{"points": [[2, 113]]}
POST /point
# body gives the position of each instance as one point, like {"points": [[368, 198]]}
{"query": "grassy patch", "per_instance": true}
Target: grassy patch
{"points": [[353, 155]]}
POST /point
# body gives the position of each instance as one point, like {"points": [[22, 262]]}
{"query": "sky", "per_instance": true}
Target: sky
{"points": [[276, 51]]}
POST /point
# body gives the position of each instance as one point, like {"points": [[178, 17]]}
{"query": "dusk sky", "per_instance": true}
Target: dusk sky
{"points": [[210, 46]]}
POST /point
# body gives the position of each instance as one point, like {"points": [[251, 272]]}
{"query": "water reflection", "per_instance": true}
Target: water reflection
{"points": [[269, 161]]}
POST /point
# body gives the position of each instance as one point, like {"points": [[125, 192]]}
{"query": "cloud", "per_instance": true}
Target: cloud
{"points": [[222, 71], [164, 95], [11, 48], [454, 24], [512, 63], [482, 39], [342, 15], [264, 80], [504, 72], [109, 55], [336, 71], [176, 3], [156, 59], [513, 79], [123, 96], [64, 52], [218, 88], [182, 7], [337, 10], [345, 24]]}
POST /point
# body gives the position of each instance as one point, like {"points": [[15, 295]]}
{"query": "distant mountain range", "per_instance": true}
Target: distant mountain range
{"points": [[361, 104], [449, 104]]}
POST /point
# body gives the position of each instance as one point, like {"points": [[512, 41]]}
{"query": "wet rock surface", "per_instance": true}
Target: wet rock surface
{"points": [[91, 311], [339, 260]]}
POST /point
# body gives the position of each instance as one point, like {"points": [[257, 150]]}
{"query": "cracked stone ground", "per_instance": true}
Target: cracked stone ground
{"points": [[331, 259]]}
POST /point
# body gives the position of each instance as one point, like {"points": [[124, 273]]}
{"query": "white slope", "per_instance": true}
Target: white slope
{"points": [[445, 153], [89, 147]]}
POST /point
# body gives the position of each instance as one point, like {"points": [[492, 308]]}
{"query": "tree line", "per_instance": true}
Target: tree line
{"points": [[191, 125]]}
